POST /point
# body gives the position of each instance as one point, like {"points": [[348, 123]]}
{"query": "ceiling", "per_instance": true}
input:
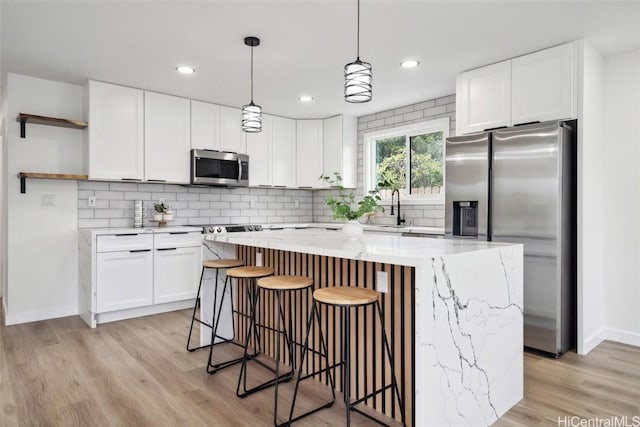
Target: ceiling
{"points": [[305, 44]]}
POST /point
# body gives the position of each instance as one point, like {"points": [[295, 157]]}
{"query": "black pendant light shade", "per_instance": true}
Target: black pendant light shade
{"points": [[357, 82], [358, 76], [252, 113]]}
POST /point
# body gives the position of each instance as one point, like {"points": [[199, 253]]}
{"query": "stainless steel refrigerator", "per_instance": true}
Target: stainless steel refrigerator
{"points": [[519, 185]]}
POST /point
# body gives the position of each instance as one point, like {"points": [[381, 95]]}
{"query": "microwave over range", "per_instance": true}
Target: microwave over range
{"points": [[209, 167]]}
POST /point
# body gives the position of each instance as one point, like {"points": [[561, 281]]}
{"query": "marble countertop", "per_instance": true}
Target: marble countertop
{"points": [[388, 248], [145, 230], [367, 227]]}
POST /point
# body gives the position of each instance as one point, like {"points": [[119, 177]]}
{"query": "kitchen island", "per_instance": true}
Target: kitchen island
{"points": [[453, 313]]}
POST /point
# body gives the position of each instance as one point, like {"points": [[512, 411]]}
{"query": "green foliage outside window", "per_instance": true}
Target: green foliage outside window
{"points": [[426, 162]]}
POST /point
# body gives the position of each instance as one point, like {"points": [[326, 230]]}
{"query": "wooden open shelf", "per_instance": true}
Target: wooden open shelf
{"points": [[25, 118], [37, 175]]}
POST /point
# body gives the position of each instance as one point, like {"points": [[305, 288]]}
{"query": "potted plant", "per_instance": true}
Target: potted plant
{"points": [[160, 209], [344, 206]]}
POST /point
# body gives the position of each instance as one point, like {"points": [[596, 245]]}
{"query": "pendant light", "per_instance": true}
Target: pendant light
{"points": [[252, 113], [358, 76]]}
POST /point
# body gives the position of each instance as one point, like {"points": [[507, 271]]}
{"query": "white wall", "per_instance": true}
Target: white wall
{"points": [[621, 151], [590, 199], [42, 253]]}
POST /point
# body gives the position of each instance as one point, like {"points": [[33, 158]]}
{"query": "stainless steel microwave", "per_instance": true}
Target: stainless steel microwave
{"points": [[210, 167]]}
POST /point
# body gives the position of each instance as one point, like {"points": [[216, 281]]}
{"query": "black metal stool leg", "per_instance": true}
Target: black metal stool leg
{"points": [[315, 313], [346, 357], [394, 382], [193, 315]]}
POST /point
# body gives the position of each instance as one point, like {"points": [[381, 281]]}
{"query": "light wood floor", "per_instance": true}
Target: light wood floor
{"points": [[137, 372]]}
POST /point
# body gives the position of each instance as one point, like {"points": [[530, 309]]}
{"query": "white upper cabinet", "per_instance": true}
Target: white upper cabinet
{"points": [[205, 126], [543, 85], [232, 138], [483, 98], [309, 153], [531, 88], [116, 134], [284, 152], [340, 152], [167, 138], [259, 147]]}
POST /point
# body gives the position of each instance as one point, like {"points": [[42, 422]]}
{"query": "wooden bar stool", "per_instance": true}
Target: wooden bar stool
{"points": [[346, 298], [250, 274], [279, 285], [216, 264]]}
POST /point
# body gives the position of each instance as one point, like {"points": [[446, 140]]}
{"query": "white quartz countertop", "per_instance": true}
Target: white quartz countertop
{"points": [[145, 230], [367, 227], [388, 248]]}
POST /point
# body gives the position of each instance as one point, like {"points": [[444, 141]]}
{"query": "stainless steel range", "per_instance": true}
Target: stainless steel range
{"points": [[230, 228]]}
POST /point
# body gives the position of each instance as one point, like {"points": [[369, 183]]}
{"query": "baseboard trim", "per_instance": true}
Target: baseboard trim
{"points": [[130, 313], [35, 316], [592, 342], [624, 337]]}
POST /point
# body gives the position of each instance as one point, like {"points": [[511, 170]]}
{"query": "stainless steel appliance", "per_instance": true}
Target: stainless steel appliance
{"points": [[221, 168], [519, 185], [230, 228]]}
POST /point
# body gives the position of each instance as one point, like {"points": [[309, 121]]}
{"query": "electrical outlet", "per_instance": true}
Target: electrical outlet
{"points": [[296, 203], [382, 284], [161, 200], [258, 259], [48, 200], [92, 201]]}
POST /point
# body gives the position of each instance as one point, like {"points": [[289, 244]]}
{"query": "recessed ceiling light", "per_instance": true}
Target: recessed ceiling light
{"points": [[410, 63], [185, 69], [305, 98]]}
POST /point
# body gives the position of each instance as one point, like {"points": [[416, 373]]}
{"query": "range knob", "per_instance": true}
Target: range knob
{"points": [[211, 229], [219, 229], [258, 228], [250, 228]]}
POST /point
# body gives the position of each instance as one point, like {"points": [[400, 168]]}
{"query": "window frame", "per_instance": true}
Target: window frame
{"points": [[408, 131]]}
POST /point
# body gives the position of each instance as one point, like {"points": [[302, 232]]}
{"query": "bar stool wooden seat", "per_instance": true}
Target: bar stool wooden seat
{"points": [[216, 264], [238, 272], [278, 285], [346, 298]]}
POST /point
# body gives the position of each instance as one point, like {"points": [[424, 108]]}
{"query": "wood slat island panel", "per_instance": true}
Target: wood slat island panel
{"points": [[370, 369]]}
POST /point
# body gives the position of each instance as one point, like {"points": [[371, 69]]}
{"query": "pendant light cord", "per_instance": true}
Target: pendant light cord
{"points": [[358, 34], [252, 74]]}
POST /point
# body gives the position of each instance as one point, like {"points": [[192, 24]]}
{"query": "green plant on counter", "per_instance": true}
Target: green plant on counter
{"points": [[345, 206], [161, 207]]}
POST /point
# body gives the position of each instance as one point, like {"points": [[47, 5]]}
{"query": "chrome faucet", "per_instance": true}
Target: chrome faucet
{"points": [[400, 220]]}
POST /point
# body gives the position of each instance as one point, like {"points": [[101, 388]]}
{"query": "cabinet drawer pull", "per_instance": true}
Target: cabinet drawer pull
{"points": [[156, 180], [280, 186], [140, 250], [304, 186], [179, 232], [126, 234], [130, 179], [166, 249]]}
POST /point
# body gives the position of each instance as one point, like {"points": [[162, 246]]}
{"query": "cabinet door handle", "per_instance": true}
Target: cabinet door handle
{"points": [[156, 180], [179, 232], [140, 250], [126, 234], [130, 179], [166, 249], [304, 186], [280, 186]]}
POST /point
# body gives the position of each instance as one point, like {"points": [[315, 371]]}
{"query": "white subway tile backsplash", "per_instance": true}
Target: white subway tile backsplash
{"points": [[207, 205]]}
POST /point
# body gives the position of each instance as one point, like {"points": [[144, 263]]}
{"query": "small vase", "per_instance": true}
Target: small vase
{"points": [[157, 217], [168, 216], [352, 229]]}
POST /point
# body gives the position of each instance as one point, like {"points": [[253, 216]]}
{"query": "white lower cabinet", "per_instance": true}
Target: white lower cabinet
{"points": [[124, 279], [176, 273], [132, 274]]}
